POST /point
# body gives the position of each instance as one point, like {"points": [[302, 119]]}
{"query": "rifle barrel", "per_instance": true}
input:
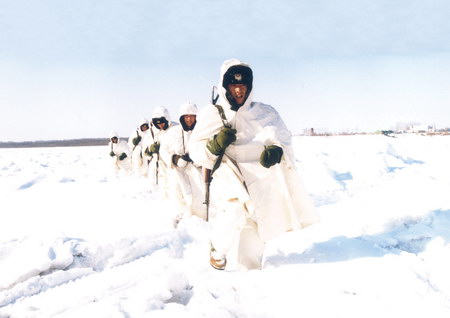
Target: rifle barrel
{"points": [[207, 179]]}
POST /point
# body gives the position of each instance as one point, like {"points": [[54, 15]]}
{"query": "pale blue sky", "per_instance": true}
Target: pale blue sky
{"points": [[80, 68]]}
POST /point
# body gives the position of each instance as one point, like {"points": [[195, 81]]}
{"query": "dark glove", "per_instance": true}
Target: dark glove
{"points": [[154, 148], [175, 159], [137, 140], [186, 157], [123, 156], [181, 161], [270, 156], [217, 144], [147, 152], [112, 154]]}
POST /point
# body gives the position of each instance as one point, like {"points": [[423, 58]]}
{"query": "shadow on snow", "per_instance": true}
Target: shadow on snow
{"points": [[404, 235]]}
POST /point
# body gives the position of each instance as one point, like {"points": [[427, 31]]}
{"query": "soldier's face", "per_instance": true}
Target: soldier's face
{"points": [[144, 127], [239, 92], [115, 140], [189, 120]]}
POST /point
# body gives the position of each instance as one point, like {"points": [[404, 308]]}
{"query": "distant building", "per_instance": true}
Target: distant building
{"points": [[422, 129], [316, 132], [413, 127], [402, 127]]}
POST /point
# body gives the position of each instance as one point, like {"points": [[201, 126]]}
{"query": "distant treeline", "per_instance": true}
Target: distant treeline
{"points": [[57, 143]]}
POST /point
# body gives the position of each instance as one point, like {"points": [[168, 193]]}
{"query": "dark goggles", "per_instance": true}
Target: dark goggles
{"points": [[160, 120]]}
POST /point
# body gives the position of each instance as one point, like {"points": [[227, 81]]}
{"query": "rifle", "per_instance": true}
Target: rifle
{"points": [[140, 152], [208, 173], [157, 155], [207, 178], [137, 135]]}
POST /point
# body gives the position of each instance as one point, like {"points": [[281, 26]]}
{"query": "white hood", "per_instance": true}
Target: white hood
{"points": [[188, 108], [113, 134], [161, 111], [142, 122]]}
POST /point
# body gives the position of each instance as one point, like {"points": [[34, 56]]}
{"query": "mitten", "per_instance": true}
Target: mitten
{"points": [[123, 156], [181, 161], [186, 157], [154, 148], [218, 143], [270, 156], [175, 159], [137, 140]]}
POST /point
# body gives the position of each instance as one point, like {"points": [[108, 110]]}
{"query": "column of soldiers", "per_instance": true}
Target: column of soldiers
{"points": [[231, 164], [158, 150]]}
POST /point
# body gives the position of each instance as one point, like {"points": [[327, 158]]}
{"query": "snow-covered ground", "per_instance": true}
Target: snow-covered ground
{"points": [[78, 241]]}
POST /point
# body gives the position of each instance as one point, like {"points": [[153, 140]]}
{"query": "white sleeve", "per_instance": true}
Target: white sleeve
{"points": [[208, 124]]}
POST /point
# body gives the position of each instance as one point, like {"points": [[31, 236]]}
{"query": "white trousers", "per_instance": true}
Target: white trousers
{"points": [[235, 235]]}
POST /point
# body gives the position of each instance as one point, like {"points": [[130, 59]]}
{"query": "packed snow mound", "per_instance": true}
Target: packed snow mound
{"points": [[76, 240]]}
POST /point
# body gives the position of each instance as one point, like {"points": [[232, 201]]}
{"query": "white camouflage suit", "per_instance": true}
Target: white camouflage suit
{"points": [[187, 186], [276, 201], [158, 163], [140, 166], [120, 148]]}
